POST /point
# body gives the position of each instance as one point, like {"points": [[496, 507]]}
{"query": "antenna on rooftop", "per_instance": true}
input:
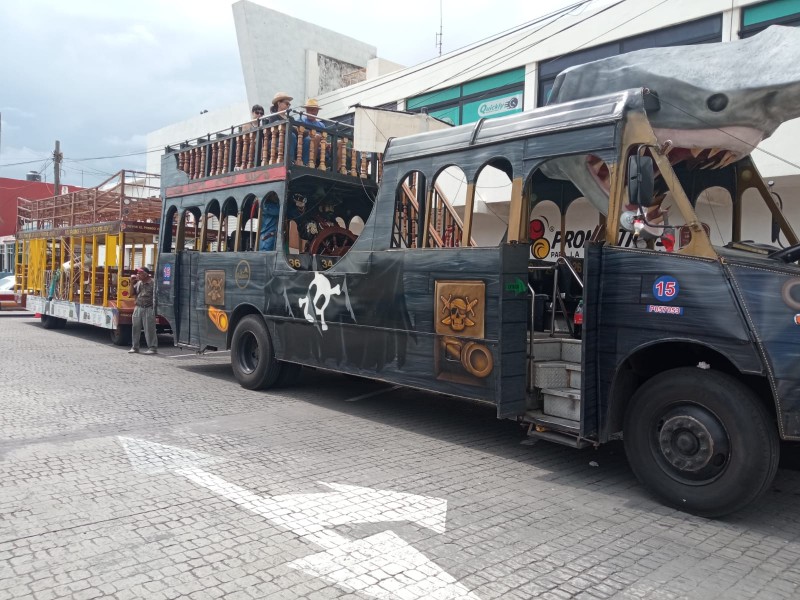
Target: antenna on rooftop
{"points": [[439, 35]]}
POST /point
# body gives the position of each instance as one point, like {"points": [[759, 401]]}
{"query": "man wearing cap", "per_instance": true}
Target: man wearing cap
{"points": [[310, 112], [144, 313], [309, 117]]}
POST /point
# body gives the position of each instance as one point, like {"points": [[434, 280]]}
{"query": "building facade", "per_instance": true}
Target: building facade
{"points": [[10, 191]]}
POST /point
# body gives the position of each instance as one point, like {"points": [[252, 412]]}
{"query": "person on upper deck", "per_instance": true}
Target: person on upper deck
{"points": [[309, 117], [279, 113], [256, 113], [281, 102], [310, 112]]}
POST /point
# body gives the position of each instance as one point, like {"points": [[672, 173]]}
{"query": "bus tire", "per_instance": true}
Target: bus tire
{"points": [[252, 356], [121, 336], [51, 322], [701, 441]]}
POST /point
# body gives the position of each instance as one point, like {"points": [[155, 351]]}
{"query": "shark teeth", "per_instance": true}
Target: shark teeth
{"points": [[729, 158], [716, 158], [596, 166]]}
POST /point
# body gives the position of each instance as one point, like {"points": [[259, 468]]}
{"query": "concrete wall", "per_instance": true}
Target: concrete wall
{"points": [[277, 49]]}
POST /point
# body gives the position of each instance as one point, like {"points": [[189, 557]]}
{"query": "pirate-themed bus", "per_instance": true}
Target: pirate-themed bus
{"points": [[76, 252], [378, 264]]}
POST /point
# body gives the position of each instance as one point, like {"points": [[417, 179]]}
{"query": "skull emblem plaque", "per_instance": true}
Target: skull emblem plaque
{"points": [[459, 315]]}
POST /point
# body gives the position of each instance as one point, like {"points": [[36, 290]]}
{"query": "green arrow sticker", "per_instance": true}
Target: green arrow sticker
{"points": [[517, 286]]}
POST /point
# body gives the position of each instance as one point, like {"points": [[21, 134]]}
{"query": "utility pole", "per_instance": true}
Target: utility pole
{"points": [[57, 156], [439, 35]]}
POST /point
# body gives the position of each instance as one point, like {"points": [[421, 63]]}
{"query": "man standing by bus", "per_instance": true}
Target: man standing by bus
{"points": [[144, 313]]}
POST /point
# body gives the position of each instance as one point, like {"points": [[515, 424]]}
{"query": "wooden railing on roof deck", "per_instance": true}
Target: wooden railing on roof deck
{"points": [[127, 196], [243, 148], [445, 229]]}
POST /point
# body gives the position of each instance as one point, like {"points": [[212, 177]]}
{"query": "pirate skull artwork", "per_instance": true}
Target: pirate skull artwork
{"points": [[458, 312], [215, 288], [460, 308]]}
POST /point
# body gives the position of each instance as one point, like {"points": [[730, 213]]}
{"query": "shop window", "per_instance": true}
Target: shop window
{"points": [[494, 96], [758, 17], [700, 31]]}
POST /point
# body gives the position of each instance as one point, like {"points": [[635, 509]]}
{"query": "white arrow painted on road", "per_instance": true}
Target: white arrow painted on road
{"points": [[383, 565], [153, 458]]}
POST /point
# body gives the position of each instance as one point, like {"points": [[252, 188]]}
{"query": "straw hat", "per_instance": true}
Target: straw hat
{"points": [[311, 103], [281, 96]]}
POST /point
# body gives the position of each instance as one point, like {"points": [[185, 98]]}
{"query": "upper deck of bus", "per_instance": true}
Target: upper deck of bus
{"points": [[242, 156]]}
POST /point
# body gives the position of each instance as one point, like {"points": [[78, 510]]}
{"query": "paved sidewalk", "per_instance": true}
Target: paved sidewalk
{"points": [[192, 487]]}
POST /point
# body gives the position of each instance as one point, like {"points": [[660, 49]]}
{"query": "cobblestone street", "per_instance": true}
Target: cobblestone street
{"points": [[132, 476]]}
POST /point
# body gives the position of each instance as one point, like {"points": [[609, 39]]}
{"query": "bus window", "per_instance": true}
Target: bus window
{"points": [[227, 225], [168, 232], [410, 195], [188, 229], [492, 200], [211, 227], [316, 222], [449, 198], [249, 224]]}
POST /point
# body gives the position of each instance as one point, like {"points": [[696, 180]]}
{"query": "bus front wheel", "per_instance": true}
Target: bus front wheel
{"points": [[252, 356], [701, 441]]}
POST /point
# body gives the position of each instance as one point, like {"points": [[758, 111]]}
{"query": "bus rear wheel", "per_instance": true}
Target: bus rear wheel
{"points": [[51, 322], [121, 336], [252, 356], [701, 441]]}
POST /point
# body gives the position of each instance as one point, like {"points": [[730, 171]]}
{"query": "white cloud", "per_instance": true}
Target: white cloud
{"points": [[137, 140], [135, 34]]}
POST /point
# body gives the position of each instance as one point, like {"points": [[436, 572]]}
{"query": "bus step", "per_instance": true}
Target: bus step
{"points": [[562, 402], [559, 438]]}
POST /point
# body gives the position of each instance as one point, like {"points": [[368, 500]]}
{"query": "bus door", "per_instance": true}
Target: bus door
{"points": [[185, 291], [177, 272], [174, 288]]}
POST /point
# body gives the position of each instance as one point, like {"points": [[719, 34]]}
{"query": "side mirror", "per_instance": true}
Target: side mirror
{"points": [[640, 180]]}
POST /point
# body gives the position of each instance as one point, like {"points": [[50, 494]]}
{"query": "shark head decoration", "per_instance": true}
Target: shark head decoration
{"points": [[718, 101]]}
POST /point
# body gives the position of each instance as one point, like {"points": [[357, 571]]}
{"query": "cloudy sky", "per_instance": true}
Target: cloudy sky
{"points": [[99, 75]]}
